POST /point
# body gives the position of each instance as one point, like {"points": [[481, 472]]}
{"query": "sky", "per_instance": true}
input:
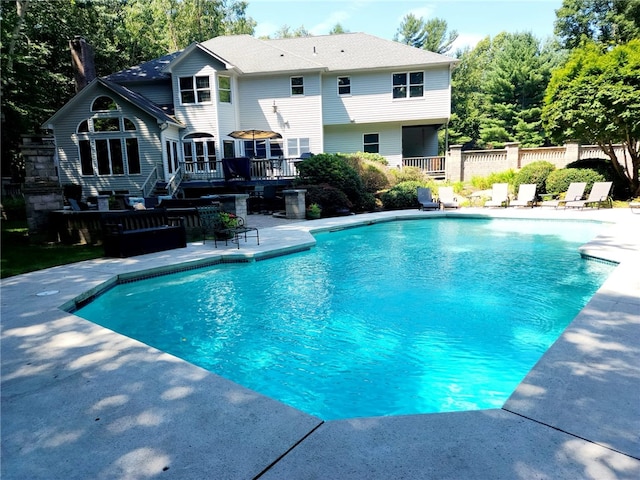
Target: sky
{"points": [[473, 19]]}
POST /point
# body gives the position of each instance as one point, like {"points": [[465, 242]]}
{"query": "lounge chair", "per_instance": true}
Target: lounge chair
{"points": [[499, 195], [446, 197], [425, 199], [574, 193], [599, 196], [526, 196]]}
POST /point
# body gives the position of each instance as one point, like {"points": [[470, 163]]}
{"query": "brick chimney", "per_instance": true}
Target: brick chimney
{"points": [[84, 67]]}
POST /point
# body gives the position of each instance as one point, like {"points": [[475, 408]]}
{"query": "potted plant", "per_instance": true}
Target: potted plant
{"points": [[224, 225], [314, 211]]}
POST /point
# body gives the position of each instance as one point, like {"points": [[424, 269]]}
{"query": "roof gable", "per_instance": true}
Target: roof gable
{"points": [[132, 97]]}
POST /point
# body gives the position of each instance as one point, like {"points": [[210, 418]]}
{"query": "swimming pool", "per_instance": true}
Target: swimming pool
{"points": [[396, 318]]}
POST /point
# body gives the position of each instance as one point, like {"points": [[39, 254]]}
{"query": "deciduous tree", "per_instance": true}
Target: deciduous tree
{"points": [[603, 21], [595, 99]]}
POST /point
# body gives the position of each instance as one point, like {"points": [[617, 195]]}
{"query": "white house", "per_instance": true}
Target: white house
{"points": [[168, 121]]}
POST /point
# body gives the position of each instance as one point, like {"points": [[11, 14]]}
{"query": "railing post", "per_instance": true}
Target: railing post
{"points": [[453, 165]]}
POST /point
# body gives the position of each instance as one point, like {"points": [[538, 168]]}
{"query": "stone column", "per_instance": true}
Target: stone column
{"points": [[454, 168], [42, 191], [571, 153], [513, 155], [294, 202]]}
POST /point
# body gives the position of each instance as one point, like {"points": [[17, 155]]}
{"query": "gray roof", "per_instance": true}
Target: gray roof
{"points": [[141, 102], [333, 53], [148, 71], [342, 52]]}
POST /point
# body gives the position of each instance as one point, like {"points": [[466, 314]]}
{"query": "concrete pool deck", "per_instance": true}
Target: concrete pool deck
{"points": [[80, 401]]}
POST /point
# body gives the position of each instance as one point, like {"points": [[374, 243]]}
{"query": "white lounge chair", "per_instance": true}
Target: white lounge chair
{"points": [[425, 199], [499, 195], [574, 193], [526, 196], [599, 196], [446, 197]]}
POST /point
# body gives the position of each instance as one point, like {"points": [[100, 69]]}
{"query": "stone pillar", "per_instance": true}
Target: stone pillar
{"points": [[513, 155], [571, 153], [42, 191], [454, 168], [294, 202], [241, 205]]}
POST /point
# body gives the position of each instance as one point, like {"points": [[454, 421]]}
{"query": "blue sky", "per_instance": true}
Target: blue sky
{"points": [[473, 19]]}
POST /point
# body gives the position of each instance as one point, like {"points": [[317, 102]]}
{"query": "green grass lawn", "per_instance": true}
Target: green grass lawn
{"points": [[20, 255]]}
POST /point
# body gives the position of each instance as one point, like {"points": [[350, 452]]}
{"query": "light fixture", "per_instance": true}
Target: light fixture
{"points": [[275, 107]]}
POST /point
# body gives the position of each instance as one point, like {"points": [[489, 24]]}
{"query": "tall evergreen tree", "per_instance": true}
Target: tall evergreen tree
{"points": [[429, 35]]}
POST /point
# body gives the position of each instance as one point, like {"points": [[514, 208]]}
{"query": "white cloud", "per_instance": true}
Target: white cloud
{"points": [[265, 29], [323, 27], [466, 40]]}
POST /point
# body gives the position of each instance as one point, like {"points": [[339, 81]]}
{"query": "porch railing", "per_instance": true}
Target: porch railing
{"points": [[150, 182], [174, 181], [432, 166], [261, 169]]}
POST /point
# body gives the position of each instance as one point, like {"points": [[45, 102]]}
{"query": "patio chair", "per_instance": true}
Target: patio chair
{"points": [[574, 193], [526, 196], [499, 196], [599, 196], [446, 197], [208, 216], [426, 200]]}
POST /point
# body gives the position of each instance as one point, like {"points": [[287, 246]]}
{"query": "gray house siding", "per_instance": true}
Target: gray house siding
{"points": [[371, 99], [199, 117], [67, 142]]}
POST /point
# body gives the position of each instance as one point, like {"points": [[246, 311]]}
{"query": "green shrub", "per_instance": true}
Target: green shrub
{"points": [[14, 208], [370, 157], [331, 200], [536, 172], [374, 174], [605, 168], [485, 183], [403, 195], [558, 181], [335, 170], [409, 174]]}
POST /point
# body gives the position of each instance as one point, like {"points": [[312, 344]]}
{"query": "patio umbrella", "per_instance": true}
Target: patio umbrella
{"points": [[254, 134]]}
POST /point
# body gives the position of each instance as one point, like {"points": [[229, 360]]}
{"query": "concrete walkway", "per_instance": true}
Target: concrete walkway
{"points": [[82, 402]]}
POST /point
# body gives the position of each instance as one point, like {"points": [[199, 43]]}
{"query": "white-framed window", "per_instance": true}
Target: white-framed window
{"points": [[371, 143], [344, 85], [297, 86], [195, 89], [107, 145], [224, 89], [408, 84], [229, 148], [199, 150], [297, 146]]}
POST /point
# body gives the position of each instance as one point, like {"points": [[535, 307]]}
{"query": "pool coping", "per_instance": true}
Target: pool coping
{"points": [[60, 375]]}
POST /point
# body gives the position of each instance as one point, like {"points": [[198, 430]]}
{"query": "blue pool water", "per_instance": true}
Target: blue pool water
{"points": [[396, 318]]}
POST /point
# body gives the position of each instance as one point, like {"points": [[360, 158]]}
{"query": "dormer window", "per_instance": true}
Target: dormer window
{"points": [[195, 90]]}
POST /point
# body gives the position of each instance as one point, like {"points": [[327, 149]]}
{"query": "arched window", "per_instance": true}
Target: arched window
{"points": [[104, 104], [107, 145], [199, 152], [83, 127]]}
